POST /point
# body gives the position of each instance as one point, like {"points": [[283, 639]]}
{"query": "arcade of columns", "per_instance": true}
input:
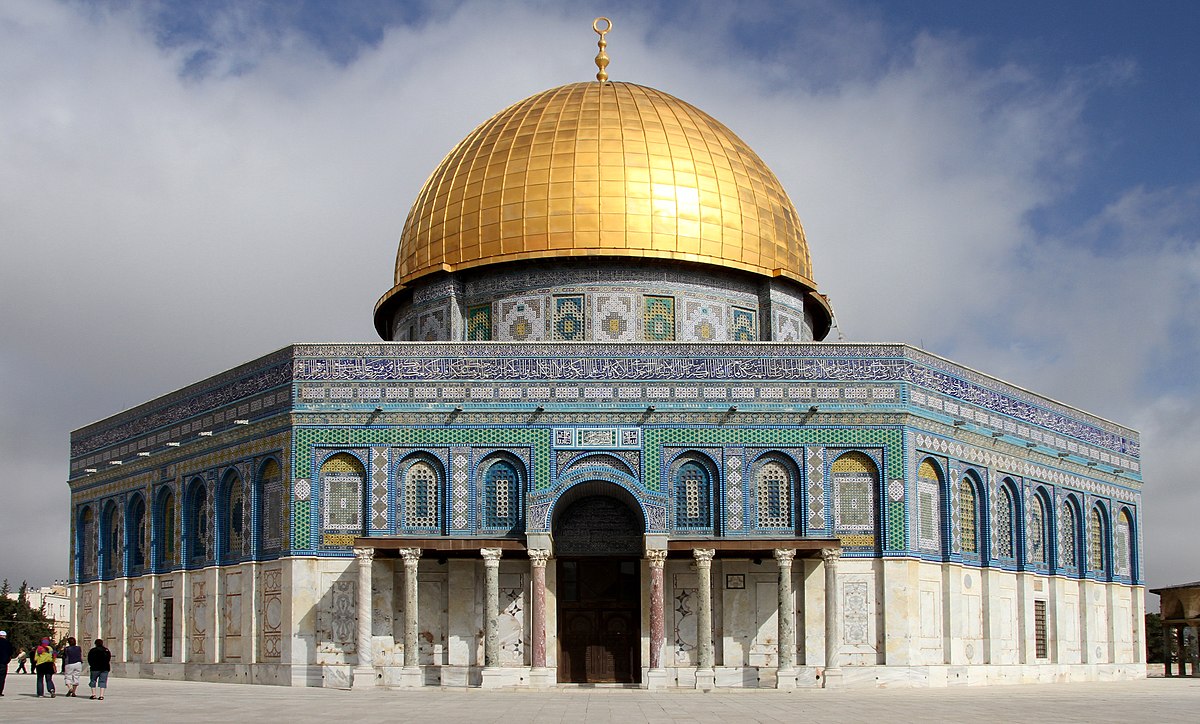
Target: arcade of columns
{"points": [[366, 677]]}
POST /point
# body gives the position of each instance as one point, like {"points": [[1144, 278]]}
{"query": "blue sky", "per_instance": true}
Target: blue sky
{"points": [[187, 186]]}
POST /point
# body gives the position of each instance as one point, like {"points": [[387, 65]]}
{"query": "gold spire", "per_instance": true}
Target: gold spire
{"points": [[602, 57]]}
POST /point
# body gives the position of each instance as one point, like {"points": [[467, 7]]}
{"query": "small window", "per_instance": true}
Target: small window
{"points": [[1039, 629], [659, 319], [168, 628], [421, 502], [774, 487], [479, 323], [968, 515], [1067, 556]]}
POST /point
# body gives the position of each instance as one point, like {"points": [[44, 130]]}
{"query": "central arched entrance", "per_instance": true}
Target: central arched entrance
{"points": [[598, 541]]}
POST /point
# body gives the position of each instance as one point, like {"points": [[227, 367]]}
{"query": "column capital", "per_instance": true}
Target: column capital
{"points": [[831, 555], [704, 556], [538, 557], [491, 556], [410, 555], [364, 554], [785, 555], [656, 558]]}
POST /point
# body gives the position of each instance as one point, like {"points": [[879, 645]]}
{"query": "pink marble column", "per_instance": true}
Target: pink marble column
{"points": [[657, 629], [537, 562]]}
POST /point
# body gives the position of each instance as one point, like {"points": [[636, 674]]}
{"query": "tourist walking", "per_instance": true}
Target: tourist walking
{"points": [[99, 659], [6, 654], [43, 666], [22, 658], [72, 658]]}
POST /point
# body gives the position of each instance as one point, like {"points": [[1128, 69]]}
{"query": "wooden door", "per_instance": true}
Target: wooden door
{"points": [[598, 621]]}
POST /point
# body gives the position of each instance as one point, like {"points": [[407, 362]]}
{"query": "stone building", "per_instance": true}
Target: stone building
{"points": [[603, 440]]}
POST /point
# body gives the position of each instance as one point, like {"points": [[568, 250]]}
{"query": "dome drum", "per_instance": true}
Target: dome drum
{"points": [[603, 300]]}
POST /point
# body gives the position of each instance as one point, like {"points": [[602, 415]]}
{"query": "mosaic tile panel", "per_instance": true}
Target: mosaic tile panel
{"points": [[1002, 524], [658, 318], [460, 491], [522, 319], [734, 490], [1067, 546], [613, 318], [479, 323], [569, 323], [1036, 535], [342, 482], [745, 325], [815, 469], [379, 488], [703, 321]]}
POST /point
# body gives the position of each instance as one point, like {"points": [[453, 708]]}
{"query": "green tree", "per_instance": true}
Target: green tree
{"points": [[1154, 639], [26, 626], [4, 589]]}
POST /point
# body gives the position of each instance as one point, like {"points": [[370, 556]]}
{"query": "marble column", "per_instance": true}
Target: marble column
{"points": [[833, 617], [1168, 670], [539, 676], [786, 672], [364, 671], [706, 677], [491, 608], [656, 677], [411, 676]]}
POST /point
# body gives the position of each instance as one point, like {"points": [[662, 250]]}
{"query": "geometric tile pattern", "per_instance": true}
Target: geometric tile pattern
{"points": [[379, 488], [460, 492], [816, 487], [745, 326], [479, 323], [734, 506], [659, 318], [568, 322]]}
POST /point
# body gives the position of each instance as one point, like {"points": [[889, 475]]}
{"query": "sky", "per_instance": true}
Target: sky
{"points": [[187, 186]]}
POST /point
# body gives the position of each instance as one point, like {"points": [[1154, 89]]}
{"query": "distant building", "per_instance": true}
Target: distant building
{"points": [[603, 441], [54, 602]]}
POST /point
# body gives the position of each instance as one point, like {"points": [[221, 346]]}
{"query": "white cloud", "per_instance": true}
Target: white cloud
{"points": [[159, 229]]}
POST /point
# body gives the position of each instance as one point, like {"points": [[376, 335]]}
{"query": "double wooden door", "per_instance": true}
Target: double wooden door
{"points": [[598, 621]]}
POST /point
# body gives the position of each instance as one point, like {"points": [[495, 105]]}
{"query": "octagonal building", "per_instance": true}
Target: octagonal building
{"points": [[602, 440]]}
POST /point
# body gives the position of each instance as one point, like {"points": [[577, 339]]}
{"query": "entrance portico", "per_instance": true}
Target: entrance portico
{"points": [[731, 618]]}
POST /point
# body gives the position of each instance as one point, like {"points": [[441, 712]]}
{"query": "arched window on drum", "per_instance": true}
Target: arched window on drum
{"points": [[422, 499], [342, 481], [501, 509], [693, 497], [855, 480]]}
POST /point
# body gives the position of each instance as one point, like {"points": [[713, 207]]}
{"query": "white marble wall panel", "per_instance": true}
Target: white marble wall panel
{"points": [[231, 618], [432, 616], [138, 616], [684, 603]]}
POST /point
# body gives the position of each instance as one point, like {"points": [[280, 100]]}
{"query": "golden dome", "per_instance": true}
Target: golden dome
{"points": [[602, 169]]}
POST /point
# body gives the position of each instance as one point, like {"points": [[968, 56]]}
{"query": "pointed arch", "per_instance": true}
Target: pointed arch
{"points": [[231, 510], [968, 513], [111, 546], [136, 538], [929, 506], [693, 492], [85, 543], [1098, 540], [1068, 535], [1004, 517], [1124, 543], [422, 481], [197, 522], [343, 478], [855, 482], [775, 479], [269, 516], [164, 537], [1037, 534], [502, 480]]}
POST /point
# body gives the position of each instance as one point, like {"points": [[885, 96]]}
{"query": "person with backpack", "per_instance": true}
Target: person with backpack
{"points": [[43, 666]]}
